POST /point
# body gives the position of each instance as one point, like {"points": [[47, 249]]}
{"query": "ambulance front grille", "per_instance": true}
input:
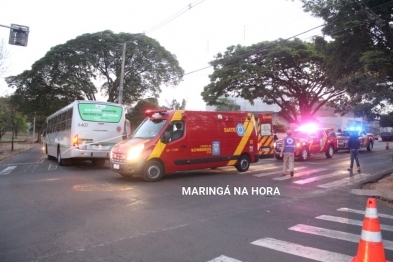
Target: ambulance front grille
{"points": [[118, 157]]}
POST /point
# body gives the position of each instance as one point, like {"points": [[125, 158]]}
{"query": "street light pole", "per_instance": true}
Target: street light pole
{"points": [[122, 75]]}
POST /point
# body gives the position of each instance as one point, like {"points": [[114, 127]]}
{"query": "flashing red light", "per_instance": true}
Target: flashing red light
{"points": [[152, 112], [311, 127]]}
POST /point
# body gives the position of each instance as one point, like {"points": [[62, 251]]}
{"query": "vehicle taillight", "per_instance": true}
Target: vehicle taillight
{"points": [[75, 141]]}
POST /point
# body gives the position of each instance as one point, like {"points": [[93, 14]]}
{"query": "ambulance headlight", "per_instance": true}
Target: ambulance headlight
{"points": [[135, 151]]}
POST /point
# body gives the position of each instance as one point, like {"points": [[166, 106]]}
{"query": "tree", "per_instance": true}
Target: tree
{"points": [[137, 113], [361, 53], [386, 120], [11, 119], [175, 105], [287, 73], [36, 96], [93, 62], [226, 104]]}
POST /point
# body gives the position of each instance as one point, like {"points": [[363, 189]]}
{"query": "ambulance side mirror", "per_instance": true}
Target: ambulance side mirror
{"points": [[166, 137]]}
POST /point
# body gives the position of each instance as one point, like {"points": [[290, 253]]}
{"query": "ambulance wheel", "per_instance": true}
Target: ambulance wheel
{"points": [[329, 153], [153, 171], [303, 154], [243, 163]]}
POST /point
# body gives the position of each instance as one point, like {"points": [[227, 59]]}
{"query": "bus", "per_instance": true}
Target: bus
{"points": [[85, 130]]}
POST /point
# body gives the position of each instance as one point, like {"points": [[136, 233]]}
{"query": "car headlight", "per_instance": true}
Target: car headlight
{"points": [[135, 151]]}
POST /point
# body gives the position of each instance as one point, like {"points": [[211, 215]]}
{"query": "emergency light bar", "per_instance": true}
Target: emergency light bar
{"points": [[152, 112]]}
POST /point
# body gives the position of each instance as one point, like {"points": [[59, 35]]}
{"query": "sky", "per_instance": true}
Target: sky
{"points": [[194, 35]]}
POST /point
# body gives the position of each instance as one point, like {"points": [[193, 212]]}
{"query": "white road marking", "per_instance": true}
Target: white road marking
{"points": [[224, 259], [334, 234], [52, 167], [278, 172], [301, 251], [362, 212], [317, 178], [346, 181], [7, 170], [349, 221], [301, 174]]}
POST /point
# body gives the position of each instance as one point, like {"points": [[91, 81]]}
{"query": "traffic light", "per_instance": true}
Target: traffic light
{"points": [[19, 35]]}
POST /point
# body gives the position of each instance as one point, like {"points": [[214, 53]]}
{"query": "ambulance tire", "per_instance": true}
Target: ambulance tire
{"points": [[153, 171], [304, 154], [329, 153], [243, 163]]}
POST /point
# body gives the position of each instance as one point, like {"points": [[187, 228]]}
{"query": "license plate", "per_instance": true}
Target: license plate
{"points": [[116, 166], [265, 149]]}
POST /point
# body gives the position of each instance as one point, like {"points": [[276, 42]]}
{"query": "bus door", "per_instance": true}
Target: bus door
{"points": [[265, 135]]}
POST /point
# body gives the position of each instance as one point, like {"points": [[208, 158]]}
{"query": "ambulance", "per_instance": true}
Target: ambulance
{"points": [[169, 141]]}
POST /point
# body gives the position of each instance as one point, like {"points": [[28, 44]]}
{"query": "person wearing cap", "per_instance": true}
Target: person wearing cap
{"points": [[288, 153]]}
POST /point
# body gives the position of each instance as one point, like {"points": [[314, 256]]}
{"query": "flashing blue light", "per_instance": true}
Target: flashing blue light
{"points": [[354, 128]]}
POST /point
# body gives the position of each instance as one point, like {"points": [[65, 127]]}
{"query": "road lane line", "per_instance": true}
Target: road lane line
{"points": [[362, 212], [346, 181], [349, 221], [334, 234], [7, 170], [301, 251], [300, 174], [278, 171], [317, 178], [224, 259], [41, 160]]}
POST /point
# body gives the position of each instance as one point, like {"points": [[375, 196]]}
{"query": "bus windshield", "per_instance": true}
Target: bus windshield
{"points": [[149, 128], [100, 112]]}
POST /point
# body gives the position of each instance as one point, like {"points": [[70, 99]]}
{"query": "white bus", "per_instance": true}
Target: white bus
{"points": [[85, 130]]}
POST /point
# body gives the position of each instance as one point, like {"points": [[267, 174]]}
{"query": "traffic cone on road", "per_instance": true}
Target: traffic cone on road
{"points": [[387, 145], [370, 246]]}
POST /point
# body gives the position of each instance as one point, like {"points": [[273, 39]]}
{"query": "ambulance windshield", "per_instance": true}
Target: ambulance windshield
{"points": [[149, 128]]}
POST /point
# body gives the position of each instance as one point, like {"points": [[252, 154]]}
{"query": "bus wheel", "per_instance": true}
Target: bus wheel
{"points": [[99, 162], [49, 156], [60, 161], [370, 146], [243, 163], [153, 171]]}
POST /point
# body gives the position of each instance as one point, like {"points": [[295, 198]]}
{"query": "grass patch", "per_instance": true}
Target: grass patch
{"points": [[21, 137]]}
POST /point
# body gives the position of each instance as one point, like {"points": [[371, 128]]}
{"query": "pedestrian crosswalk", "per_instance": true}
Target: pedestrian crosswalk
{"points": [[306, 175], [317, 254]]}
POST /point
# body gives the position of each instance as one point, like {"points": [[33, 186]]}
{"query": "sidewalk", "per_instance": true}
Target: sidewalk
{"points": [[383, 188]]}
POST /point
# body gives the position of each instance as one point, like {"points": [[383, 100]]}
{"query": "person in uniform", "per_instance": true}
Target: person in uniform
{"points": [[288, 153]]}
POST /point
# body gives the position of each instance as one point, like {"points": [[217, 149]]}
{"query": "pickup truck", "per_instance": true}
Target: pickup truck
{"points": [[366, 140], [309, 142]]}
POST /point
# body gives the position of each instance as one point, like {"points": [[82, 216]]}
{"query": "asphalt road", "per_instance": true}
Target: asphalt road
{"points": [[86, 213]]}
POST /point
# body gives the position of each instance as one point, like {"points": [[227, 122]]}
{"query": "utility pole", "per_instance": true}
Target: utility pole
{"points": [[122, 75]]}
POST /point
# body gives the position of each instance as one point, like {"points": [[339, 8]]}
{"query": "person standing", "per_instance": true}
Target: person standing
{"points": [[288, 153], [354, 145]]}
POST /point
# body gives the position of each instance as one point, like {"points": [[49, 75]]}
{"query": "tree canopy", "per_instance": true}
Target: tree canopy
{"points": [[361, 53], [288, 73]]}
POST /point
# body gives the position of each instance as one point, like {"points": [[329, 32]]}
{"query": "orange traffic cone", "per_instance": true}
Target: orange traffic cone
{"points": [[387, 145], [370, 245]]}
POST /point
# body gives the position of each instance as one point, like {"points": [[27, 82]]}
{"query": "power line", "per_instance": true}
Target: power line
{"points": [[336, 30], [185, 9]]}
